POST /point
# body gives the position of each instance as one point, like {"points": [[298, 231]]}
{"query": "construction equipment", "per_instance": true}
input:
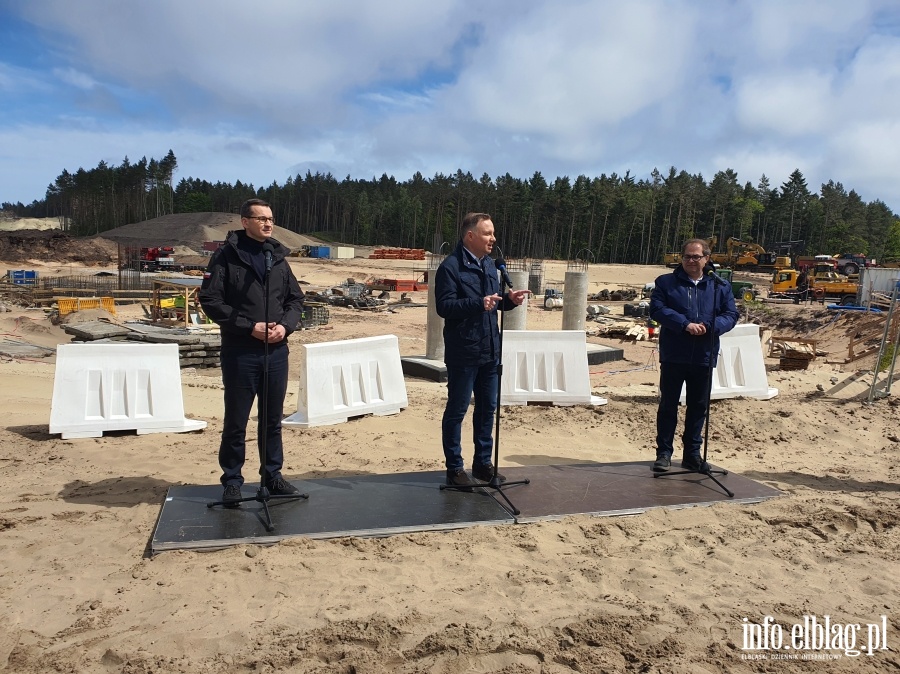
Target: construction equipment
{"points": [[799, 285], [749, 256], [742, 290], [851, 263], [155, 258]]}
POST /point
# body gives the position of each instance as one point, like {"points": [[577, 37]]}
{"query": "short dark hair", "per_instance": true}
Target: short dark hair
{"points": [[471, 221], [250, 203], [703, 242]]}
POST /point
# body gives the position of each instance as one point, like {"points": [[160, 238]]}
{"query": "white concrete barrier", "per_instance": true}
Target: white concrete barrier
{"points": [[339, 380], [118, 387], [740, 371], [546, 366]]}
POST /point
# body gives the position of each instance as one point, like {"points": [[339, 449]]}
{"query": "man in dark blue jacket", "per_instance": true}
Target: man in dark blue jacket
{"points": [[467, 297], [693, 309], [233, 295]]}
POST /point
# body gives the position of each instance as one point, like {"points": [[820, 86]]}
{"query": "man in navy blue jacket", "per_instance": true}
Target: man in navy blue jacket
{"points": [[467, 297], [693, 310]]}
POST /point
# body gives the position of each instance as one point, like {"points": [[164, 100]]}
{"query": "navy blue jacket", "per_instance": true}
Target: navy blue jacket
{"points": [[676, 301], [471, 334], [233, 294]]}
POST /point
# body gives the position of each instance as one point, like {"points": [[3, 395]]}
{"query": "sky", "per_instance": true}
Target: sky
{"points": [[262, 91]]}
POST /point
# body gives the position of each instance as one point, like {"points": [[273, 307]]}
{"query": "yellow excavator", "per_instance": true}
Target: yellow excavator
{"points": [[749, 256]]}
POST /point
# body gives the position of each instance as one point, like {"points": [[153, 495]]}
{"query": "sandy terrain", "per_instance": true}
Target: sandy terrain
{"points": [[666, 591]]}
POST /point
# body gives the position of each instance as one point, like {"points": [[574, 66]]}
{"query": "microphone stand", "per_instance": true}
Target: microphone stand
{"points": [[262, 408], [495, 485], [705, 468]]}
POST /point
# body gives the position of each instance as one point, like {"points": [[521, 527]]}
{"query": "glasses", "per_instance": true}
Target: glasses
{"points": [[261, 219], [693, 258]]}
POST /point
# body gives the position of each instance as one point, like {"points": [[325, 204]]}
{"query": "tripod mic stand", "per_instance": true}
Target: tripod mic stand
{"points": [[263, 495], [495, 485], [704, 468]]}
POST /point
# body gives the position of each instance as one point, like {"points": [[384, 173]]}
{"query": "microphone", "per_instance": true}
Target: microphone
{"points": [[711, 272], [268, 249], [500, 263]]}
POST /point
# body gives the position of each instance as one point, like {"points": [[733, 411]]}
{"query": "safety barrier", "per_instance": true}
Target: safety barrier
{"points": [[67, 305], [350, 378], [546, 366], [740, 370], [118, 387]]}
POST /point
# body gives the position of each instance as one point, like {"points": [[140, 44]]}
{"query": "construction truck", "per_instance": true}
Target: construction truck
{"points": [[673, 260], [803, 285], [851, 263], [155, 258]]}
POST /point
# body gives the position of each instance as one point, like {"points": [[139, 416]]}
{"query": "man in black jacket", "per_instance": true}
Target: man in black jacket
{"points": [[233, 295], [467, 296]]}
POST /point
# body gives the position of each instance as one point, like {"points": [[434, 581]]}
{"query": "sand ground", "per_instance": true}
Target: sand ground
{"points": [[665, 591]]}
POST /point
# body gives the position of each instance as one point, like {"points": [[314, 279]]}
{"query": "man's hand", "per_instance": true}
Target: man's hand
{"points": [[518, 296], [273, 333], [695, 329], [490, 302]]}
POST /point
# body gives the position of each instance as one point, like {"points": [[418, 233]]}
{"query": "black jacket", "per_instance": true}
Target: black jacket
{"points": [[232, 294], [471, 334]]}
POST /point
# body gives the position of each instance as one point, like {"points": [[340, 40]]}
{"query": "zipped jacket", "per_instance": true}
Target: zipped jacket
{"points": [[471, 334], [233, 294], [676, 301]]}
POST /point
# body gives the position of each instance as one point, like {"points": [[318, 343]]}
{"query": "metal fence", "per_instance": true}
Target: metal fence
{"points": [[124, 280]]}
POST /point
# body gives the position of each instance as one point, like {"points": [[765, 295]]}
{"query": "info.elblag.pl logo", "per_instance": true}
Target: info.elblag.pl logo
{"points": [[812, 639]]}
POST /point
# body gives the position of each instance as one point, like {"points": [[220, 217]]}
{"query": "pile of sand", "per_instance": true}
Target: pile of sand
{"points": [[192, 230]]}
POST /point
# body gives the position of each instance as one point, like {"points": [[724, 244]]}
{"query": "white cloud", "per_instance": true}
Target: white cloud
{"points": [[251, 92], [785, 103], [75, 78]]}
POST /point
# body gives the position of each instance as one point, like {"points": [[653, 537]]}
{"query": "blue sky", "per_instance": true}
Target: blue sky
{"points": [[260, 91]]}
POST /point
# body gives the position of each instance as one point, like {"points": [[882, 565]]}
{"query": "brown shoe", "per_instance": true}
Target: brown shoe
{"points": [[458, 478], [485, 473]]}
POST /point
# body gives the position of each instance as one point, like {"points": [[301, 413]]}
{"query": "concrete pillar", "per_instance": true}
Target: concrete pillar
{"points": [[434, 326], [575, 295], [516, 318]]}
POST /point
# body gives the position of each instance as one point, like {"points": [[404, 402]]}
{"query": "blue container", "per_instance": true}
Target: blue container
{"points": [[319, 251], [23, 277]]}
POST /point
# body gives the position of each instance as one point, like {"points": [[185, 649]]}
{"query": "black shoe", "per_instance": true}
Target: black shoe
{"points": [[231, 497], [281, 487], [693, 463], [485, 473], [458, 478], [662, 464]]}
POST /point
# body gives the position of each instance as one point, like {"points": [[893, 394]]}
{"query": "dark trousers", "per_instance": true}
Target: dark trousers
{"points": [[695, 379], [462, 382], [242, 375]]}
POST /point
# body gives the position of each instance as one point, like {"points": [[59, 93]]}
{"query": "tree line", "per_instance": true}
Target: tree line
{"points": [[610, 218]]}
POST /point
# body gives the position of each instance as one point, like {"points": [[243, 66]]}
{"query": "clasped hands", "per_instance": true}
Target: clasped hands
{"points": [[272, 334]]}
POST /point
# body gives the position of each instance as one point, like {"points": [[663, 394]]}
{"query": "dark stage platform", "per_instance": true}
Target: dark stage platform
{"points": [[382, 505]]}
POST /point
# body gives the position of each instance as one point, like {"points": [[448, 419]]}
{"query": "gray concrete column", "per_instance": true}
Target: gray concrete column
{"points": [[515, 319], [575, 295]]}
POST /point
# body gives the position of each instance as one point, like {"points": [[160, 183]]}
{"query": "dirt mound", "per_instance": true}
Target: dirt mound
{"points": [[54, 246], [185, 231], [192, 230], [9, 224]]}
